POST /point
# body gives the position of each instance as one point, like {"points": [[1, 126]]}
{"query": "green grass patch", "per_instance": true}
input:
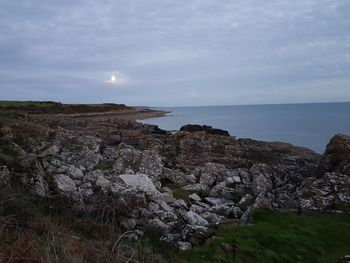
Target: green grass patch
{"points": [[180, 193], [8, 103], [105, 165], [8, 148], [47, 107], [278, 237]]}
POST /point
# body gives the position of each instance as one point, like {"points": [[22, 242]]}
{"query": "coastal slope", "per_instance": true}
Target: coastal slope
{"points": [[133, 177]]}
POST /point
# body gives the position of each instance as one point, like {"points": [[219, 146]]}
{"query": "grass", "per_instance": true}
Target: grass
{"points": [[278, 237], [8, 103], [47, 107], [7, 148], [180, 193], [105, 165], [36, 230]]}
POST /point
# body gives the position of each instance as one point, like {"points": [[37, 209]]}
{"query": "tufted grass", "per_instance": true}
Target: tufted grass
{"points": [[278, 237], [105, 165]]}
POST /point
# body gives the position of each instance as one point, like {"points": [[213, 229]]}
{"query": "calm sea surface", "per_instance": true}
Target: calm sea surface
{"points": [[307, 125]]}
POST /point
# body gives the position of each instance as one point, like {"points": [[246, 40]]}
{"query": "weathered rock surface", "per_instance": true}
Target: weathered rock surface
{"points": [[184, 184]]}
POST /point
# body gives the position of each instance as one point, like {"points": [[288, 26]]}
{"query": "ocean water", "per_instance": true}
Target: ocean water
{"points": [[307, 125]]}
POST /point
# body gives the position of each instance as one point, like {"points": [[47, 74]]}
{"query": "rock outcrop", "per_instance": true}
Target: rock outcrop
{"points": [[185, 184]]}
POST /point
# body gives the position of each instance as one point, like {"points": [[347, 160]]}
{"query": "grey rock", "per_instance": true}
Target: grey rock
{"points": [[151, 164], [50, 151], [196, 187], [159, 225], [180, 204], [211, 217], [64, 185], [86, 190], [211, 173], [4, 176], [194, 197], [183, 246], [127, 223], [171, 238], [193, 218], [177, 177], [196, 235], [199, 208], [59, 167], [140, 182], [110, 153], [103, 183]]}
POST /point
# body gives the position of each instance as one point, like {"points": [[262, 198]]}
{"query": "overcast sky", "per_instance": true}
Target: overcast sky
{"points": [[175, 52]]}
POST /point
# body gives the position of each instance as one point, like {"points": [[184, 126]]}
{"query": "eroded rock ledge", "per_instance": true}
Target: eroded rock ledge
{"points": [[184, 185]]}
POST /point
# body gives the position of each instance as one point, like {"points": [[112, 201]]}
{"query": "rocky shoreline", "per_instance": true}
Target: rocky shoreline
{"points": [[184, 185]]}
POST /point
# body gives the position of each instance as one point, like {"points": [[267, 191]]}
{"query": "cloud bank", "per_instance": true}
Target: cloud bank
{"points": [[229, 52]]}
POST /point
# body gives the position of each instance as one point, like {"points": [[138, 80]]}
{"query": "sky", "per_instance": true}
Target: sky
{"points": [[175, 52]]}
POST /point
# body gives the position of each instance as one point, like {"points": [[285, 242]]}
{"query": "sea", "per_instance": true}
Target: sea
{"points": [[309, 125]]}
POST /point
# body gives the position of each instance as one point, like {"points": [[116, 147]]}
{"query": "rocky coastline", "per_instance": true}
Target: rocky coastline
{"points": [[184, 185]]}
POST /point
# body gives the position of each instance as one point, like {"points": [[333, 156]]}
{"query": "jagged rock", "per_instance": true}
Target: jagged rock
{"points": [[4, 176], [178, 177], [59, 167], [245, 201], [337, 155], [86, 190], [193, 218], [235, 212], [196, 235], [92, 176], [65, 186], [261, 178], [41, 187], [171, 238], [180, 204], [196, 187], [211, 217], [103, 183], [204, 128], [330, 192], [199, 207], [50, 151], [140, 182], [183, 246], [127, 223], [211, 173], [233, 178], [159, 225], [195, 197], [151, 164], [165, 197], [215, 201], [110, 153]]}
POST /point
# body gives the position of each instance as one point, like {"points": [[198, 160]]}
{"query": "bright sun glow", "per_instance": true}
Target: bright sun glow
{"points": [[113, 78]]}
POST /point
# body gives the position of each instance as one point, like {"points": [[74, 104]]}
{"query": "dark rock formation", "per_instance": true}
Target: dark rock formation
{"points": [[183, 184], [204, 128], [336, 158]]}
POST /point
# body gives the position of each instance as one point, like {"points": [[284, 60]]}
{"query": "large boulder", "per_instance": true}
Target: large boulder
{"points": [[151, 164], [65, 186], [193, 218], [329, 192], [140, 182], [212, 173], [337, 155], [59, 167]]}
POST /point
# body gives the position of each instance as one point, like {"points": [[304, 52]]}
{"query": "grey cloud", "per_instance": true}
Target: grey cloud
{"points": [[227, 51]]}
